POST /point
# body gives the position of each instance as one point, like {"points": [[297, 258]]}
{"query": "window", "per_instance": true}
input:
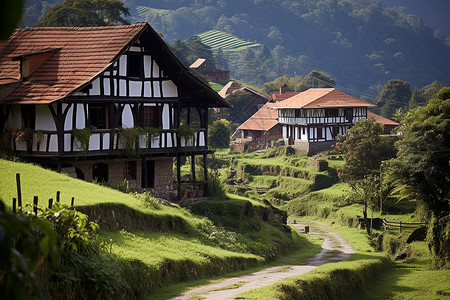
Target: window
{"points": [[28, 116], [319, 133], [100, 172], [135, 65], [148, 174], [129, 171], [331, 112], [151, 116], [97, 116]]}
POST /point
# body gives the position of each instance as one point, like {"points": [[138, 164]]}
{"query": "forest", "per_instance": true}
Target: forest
{"points": [[360, 43]]}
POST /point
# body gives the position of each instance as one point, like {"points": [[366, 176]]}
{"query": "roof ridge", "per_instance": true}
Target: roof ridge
{"points": [[80, 28], [330, 91]]}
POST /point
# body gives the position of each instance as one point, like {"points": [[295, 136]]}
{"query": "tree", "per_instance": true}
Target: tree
{"points": [[362, 146], [10, 14], [423, 157], [422, 167], [80, 13], [395, 94], [219, 134]]}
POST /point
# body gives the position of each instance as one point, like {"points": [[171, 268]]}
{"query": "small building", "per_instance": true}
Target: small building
{"points": [[229, 88], [389, 125], [106, 103], [282, 95], [312, 120], [258, 131], [209, 70]]}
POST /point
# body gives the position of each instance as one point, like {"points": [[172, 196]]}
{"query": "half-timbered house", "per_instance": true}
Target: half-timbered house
{"points": [[103, 103], [312, 120]]}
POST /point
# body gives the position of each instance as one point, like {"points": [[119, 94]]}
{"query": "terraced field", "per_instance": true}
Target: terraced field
{"points": [[227, 42]]}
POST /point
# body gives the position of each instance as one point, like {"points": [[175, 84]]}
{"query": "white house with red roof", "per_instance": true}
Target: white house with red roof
{"points": [[312, 120], [104, 81]]}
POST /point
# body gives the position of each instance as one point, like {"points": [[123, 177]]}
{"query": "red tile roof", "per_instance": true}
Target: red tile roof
{"points": [[380, 119], [229, 88], [264, 119], [283, 96], [80, 53], [322, 98]]}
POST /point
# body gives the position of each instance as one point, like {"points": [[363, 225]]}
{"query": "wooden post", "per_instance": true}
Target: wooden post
{"points": [[19, 192], [205, 173], [14, 205], [58, 193], [35, 204], [178, 177], [193, 167], [73, 200], [50, 203], [400, 226]]}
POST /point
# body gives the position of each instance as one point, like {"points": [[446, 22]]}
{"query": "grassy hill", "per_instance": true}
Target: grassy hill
{"points": [[225, 41], [171, 242]]}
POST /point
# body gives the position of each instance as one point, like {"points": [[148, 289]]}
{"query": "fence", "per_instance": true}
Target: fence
{"points": [[402, 226], [17, 202]]}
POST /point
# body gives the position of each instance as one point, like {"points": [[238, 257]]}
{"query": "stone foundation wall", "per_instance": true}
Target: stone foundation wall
{"points": [[307, 148], [163, 174]]}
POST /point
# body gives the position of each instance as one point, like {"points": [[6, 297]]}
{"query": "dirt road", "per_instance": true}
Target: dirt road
{"points": [[334, 248]]}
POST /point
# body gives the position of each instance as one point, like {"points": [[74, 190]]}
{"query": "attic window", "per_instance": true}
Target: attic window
{"points": [[135, 65]]}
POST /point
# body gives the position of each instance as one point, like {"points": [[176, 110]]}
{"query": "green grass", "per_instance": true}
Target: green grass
{"points": [[167, 247], [227, 42], [37, 181], [412, 279], [215, 86], [329, 278]]}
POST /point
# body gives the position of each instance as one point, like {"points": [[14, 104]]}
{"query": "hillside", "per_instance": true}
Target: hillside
{"points": [[360, 43]]}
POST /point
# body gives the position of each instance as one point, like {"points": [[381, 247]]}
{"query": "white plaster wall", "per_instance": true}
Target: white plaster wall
{"points": [[201, 138], [155, 70], [165, 117], [156, 89], [122, 87], [169, 89], [284, 132], [127, 117], [53, 145], [95, 90], [135, 49], [69, 117], [147, 89], [123, 65], [44, 118], [94, 141], [106, 145], [135, 88], [106, 86], [147, 66], [80, 122], [67, 141]]}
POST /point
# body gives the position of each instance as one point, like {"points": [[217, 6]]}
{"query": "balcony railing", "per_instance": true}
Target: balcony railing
{"points": [[104, 141]]}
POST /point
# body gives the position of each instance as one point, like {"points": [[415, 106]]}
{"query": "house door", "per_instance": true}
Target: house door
{"points": [[100, 172], [148, 174]]}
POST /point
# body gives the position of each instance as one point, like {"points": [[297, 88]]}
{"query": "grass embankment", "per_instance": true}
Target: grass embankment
{"points": [[411, 278], [341, 280], [172, 243]]}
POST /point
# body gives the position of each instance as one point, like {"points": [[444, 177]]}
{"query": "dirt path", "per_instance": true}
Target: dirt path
{"points": [[334, 248]]}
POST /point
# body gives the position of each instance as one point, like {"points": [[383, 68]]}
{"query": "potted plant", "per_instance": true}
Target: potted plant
{"points": [[83, 136], [24, 135], [187, 133]]}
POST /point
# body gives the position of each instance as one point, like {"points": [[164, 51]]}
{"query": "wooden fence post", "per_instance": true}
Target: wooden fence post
{"points": [[35, 204], [57, 196], [400, 226], [14, 205], [50, 203], [19, 191], [73, 200]]}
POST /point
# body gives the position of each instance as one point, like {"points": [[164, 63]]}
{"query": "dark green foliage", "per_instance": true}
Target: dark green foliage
{"points": [[10, 15], [438, 239], [422, 160], [86, 13], [299, 84], [395, 94], [219, 134]]}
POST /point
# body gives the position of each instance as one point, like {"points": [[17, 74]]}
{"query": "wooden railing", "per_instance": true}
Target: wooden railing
{"points": [[401, 226]]}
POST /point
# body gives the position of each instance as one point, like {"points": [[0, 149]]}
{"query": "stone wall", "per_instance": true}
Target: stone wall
{"points": [[163, 174], [307, 148]]}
